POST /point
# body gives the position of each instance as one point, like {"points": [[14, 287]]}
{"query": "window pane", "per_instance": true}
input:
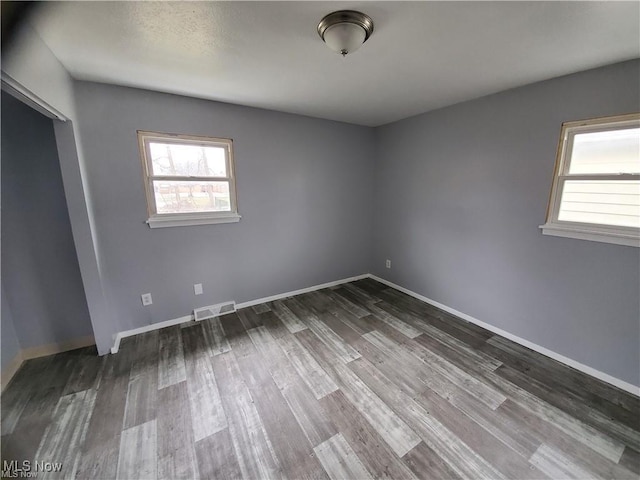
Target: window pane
{"points": [[615, 151], [187, 160], [611, 202], [189, 197]]}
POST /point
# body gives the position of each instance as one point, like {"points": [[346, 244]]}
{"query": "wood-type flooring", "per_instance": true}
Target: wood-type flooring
{"points": [[354, 382]]}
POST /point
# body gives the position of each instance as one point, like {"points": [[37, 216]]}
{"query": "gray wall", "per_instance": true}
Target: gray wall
{"points": [[304, 193], [10, 345], [40, 273], [466, 188]]}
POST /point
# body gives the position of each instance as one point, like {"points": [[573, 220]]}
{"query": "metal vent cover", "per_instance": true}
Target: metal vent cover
{"points": [[211, 311]]}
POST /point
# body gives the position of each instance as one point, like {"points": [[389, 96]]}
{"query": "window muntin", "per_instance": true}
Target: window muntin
{"points": [[189, 180], [596, 187]]}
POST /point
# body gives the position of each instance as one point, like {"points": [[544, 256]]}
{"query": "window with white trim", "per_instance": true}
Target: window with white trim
{"points": [[189, 180], [596, 186]]}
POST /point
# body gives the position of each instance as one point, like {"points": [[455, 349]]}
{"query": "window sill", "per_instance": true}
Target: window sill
{"points": [[581, 232], [187, 220]]}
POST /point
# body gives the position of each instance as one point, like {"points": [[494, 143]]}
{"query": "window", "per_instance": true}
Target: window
{"points": [[189, 180], [596, 185]]}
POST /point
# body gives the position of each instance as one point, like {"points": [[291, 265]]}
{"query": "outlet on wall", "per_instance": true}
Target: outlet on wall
{"points": [[388, 263], [197, 289], [146, 299]]}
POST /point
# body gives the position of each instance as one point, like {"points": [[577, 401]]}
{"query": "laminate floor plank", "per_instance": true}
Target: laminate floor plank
{"points": [[453, 441], [343, 302], [368, 445], [287, 317], [86, 371], [299, 309], [398, 435], [468, 337], [23, 443], [403, 376], [249, 318], [503, 428], [464, 358], [142, 392], [423, 461], [459, 329], [231, 325], [138, 453], [15, 397], [307, 367], [273, 358], [499, 424], [631, 460], [596, 439], [261, 308], [331, 339], [581, 453], [291, 446], [340, 326], [63, 438], [302, 403], [446, 370], [370, 285], [352, 291], [355, 381], [339, 460], [431, 312], [175, 442], [567, 385], [100, 451], [207, 413], [142, 399], [500, 447], [394, 322], [625, 433], [317, 426], [170, 357], [147, 354], [361, 325], [251, 445], [317, 302], [557, 465], [276, 328], [543, 368], [215, 336], [414, 375], [216, 457], [451, 341]]}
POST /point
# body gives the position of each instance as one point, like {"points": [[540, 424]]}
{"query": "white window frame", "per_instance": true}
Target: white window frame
{"points": [[160, 220], [587, 231]]}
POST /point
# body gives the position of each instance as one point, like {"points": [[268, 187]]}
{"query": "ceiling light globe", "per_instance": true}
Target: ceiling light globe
{"points": [[345, 31], [344, 38]]}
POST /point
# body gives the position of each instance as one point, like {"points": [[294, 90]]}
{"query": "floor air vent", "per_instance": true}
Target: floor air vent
{"points": [[211, 311]]}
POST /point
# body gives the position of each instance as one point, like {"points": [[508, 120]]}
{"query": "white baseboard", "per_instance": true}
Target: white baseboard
{"points": [[168, 323], [301, 291], [43, 351], [147, 328], [605, 377]]}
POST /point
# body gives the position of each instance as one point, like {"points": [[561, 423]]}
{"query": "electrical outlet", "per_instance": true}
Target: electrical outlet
{"points": [[146, 299], [388, 263], [197, 289]]}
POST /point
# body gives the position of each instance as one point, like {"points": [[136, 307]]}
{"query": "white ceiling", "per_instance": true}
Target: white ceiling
{"points": [[421, 56]]}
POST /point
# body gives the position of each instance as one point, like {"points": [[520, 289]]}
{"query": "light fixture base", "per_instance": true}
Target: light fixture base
{"points": [[343, 17]]}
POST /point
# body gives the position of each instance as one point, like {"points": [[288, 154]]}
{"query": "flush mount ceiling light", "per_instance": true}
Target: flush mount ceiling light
{"points": [[345, 31]]}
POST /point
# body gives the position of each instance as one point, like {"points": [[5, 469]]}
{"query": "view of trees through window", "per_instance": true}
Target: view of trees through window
{"points": [[200, 173]]}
